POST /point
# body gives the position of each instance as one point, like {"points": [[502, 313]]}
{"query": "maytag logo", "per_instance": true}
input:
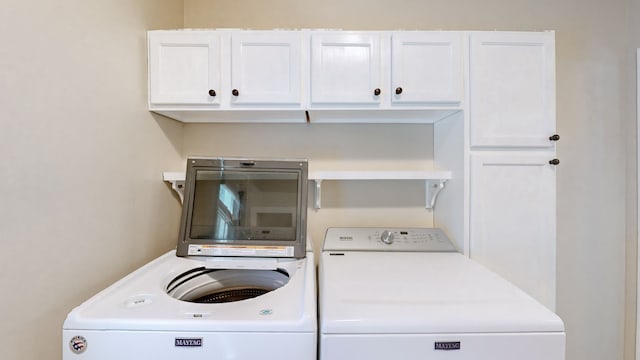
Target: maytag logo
{"points": [[188, 342], [447, 345]]}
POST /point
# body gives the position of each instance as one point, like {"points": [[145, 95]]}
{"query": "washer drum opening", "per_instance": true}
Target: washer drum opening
{"points": [[206, 286]]}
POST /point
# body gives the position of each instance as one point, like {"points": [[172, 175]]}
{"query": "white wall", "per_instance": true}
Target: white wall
{"points": [[632, 253], [81, 197], [594, 115]]}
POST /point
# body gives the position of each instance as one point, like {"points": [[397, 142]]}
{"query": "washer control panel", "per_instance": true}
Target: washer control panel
{"points": [[387, 239]]}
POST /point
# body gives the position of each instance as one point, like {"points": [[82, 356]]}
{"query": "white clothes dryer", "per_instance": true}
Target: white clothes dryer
{"points": [[241, 284], [408, 294]]}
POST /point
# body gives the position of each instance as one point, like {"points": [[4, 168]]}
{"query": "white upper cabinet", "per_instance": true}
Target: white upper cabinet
{"points": [[194, 74], [266, 68], [345, 68], [305, 75], [184, 68], [512, 89], [354, 68], [426, 67]]}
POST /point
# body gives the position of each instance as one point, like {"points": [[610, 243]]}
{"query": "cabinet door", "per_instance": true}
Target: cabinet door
{"points": [[512, 89], [266, 67], [426, 67], [513, 219], [184, 67], [345, 68]]}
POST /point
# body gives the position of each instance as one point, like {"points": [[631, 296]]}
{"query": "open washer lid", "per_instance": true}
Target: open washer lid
{"points": [[244, 208]]}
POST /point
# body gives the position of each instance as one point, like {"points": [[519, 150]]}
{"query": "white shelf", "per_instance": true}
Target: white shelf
{"points": [[378, 175], [434, 180]]}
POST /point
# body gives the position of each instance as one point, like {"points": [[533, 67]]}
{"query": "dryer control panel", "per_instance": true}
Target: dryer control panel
{"points": [[387, 239]]}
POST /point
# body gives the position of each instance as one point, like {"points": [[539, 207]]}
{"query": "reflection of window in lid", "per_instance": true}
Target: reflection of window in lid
{"points": [[273, 216], [228, 211]]}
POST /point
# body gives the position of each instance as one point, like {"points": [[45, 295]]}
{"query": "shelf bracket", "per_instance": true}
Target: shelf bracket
{"points": [[178, 187], [317, 194], [432, 189], [177, 183]]}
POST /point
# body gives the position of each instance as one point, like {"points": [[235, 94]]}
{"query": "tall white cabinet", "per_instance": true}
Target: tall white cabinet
{"points": [[489, 95], [513, 163]]}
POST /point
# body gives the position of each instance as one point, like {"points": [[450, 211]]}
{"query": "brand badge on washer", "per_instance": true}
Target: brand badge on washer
{"points": [[78, 344], [447, 345], [188, 342]]}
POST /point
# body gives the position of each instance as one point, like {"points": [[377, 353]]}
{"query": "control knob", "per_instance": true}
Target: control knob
{"points": [[387, 237]]}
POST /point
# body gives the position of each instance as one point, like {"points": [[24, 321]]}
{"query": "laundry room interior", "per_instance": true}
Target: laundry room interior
{"points": [[84, 202]]}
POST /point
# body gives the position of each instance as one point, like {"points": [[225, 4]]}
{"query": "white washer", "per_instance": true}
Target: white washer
{"points": [[242, 285], [408, 294]]}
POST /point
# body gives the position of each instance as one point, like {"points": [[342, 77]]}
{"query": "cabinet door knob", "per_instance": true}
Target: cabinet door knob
{"points": [[235, 92], [376, 92], [212, 92], [554, 161], [398, 90], [554, 137]]}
